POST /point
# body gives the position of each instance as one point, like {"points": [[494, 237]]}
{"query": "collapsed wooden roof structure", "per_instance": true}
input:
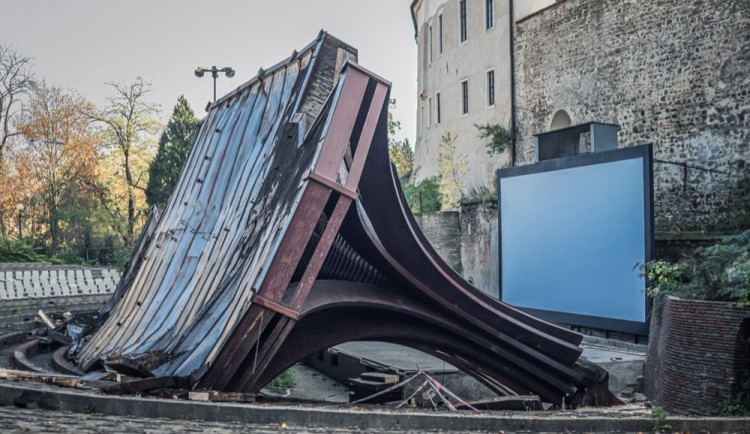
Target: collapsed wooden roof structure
{"points": [[288, 234]]}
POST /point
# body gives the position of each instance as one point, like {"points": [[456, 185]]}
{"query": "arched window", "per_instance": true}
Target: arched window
{"points": [[561, 119]]}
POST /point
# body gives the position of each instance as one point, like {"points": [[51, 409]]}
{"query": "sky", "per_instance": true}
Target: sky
{"points": [[83, 44]]}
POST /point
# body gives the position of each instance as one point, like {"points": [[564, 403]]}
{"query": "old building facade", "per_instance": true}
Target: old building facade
{"points": [[674, 74], [463, 79]]}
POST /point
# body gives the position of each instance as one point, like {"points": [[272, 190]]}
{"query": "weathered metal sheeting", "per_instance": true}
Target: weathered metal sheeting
{"points": [[213, 242], [274, 247]]}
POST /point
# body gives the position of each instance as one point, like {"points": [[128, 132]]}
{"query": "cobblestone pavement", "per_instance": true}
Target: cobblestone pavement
{"points": [[20, 420]]}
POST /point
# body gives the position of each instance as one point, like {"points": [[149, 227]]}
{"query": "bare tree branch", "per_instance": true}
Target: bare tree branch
{"points": [[130, 123], [16, 80]]}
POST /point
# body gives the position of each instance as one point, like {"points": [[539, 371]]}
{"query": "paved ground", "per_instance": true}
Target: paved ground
{"points": [[17, 420], [315, 386], [20, 420], [625, 364], [128, 414], [395, 356]]}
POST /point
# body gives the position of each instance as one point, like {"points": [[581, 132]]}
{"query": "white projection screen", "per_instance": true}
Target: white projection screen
{"points": [[571, 232]]}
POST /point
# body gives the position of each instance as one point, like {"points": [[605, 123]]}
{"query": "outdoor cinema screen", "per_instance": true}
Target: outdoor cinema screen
{"points": [[572, 231]]}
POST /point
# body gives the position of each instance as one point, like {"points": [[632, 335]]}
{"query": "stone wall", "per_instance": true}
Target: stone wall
{"points": [[443, 232], [670, 73], [690, 367], [479, 245], [469, 242]]}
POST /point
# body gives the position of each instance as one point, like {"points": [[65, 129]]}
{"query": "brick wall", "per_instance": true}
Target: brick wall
{"points": [[697, 354], [670, 73]]}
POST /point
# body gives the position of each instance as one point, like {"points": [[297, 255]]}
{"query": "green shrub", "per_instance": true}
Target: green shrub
{"points": [[430, 192], [18, 251], [659, 418], [285, 380], [69, 256], [498, 135], [738, 405], [719, 273]]}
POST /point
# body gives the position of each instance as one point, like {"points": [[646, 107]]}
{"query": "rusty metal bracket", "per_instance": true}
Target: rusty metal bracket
{"points": [[276, 307], [333, 185]]}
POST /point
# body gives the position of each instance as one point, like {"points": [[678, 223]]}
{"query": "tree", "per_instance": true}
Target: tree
{"points": [[424, 196], [453, 167], [399, 151], [17, 187], [401, 155], [60, 151], [130, 124], [16, 80], [174, 145]]}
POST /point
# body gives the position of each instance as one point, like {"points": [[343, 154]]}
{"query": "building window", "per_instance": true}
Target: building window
{"points": [[437, 108], [429, 42], [425, 48], [489, 14], [490, 88], [429, 111], [440, 34], [465, 97], [462, 34]]}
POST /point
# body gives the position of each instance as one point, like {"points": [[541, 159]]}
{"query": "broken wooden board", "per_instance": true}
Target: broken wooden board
{"points": [[215, 396]]}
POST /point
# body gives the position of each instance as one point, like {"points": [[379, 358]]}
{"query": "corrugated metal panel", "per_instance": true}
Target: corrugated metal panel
{"points": [[208, 250]]}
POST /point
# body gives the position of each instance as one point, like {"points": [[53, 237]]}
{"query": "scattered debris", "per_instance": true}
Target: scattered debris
{"points": [[215, 396], [434, 387], [45, 319]]}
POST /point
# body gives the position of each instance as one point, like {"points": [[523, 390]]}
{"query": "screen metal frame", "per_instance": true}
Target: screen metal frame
{"points": [[643, 152]]}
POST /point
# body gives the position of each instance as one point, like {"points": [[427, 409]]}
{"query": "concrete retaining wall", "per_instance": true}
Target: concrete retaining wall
{"points": [[33, 396]]}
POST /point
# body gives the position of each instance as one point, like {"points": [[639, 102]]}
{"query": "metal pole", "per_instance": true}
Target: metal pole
{"points": [[513, 131], [19, 226]]}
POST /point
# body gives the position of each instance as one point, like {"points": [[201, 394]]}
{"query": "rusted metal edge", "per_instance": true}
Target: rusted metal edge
{"points": [[276, 307], [333, 185], [126, 366], [357, 66]]}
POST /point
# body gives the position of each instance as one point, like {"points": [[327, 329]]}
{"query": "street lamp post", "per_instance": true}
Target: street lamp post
{"points": [[19, 208], [229, 72]]}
